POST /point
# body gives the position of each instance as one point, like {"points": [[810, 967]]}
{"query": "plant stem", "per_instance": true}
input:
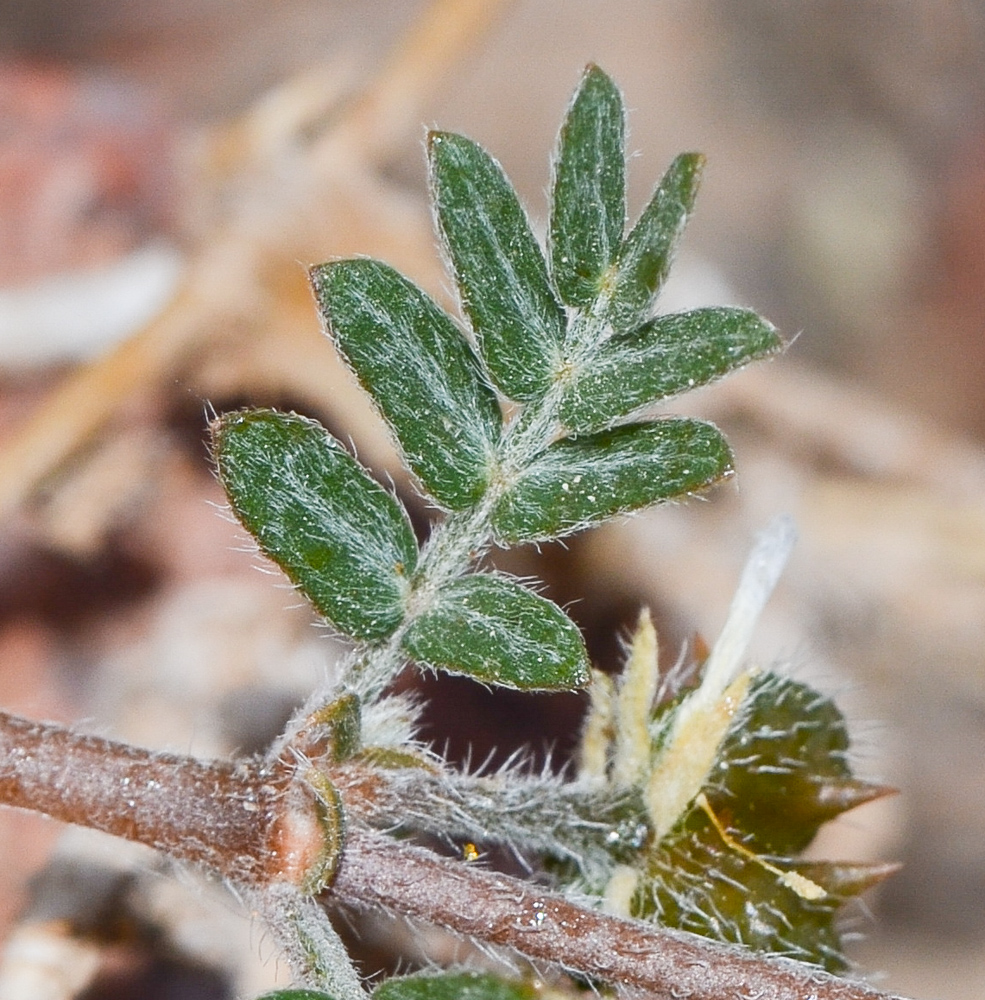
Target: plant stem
{"points": [[538, 813], [317, 955], [222, 815], [253, 825], [500, 910]]}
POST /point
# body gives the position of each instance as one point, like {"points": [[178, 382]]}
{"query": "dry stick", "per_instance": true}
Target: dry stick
{"points": [[80, 406], [808, 414], [78, 409], [247, 822], [381, 116]]}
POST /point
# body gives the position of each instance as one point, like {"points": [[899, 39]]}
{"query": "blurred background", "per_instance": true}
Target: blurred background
{"points": [[167, 171]]}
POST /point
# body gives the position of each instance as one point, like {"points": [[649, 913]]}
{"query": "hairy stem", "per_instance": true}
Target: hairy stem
{"points": [[317, 955], [539, 813], [259, 827], [500, 910], [235, 818]]}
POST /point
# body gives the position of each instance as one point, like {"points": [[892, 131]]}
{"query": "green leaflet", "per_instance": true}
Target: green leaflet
{"points": [[420, 371], [454, 986], [645, 257], [335, 532], [497, 631], [500, 270], [669, 354], [588, 209], [580, 481]]}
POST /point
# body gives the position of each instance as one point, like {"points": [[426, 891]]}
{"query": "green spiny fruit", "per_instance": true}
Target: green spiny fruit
{"points": [[735, 776], [727, 869]]}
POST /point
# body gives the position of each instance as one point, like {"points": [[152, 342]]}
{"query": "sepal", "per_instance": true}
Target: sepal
{"points": [[697, 882], [783, 768], [845, 879]]}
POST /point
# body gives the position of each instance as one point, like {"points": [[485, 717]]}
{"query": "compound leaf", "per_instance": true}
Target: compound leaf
{"points": [[580, 481], [645, 257], [497, 631], [419, 369], [670, 354], [588, 211], [499, 267], [338, 535]]}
